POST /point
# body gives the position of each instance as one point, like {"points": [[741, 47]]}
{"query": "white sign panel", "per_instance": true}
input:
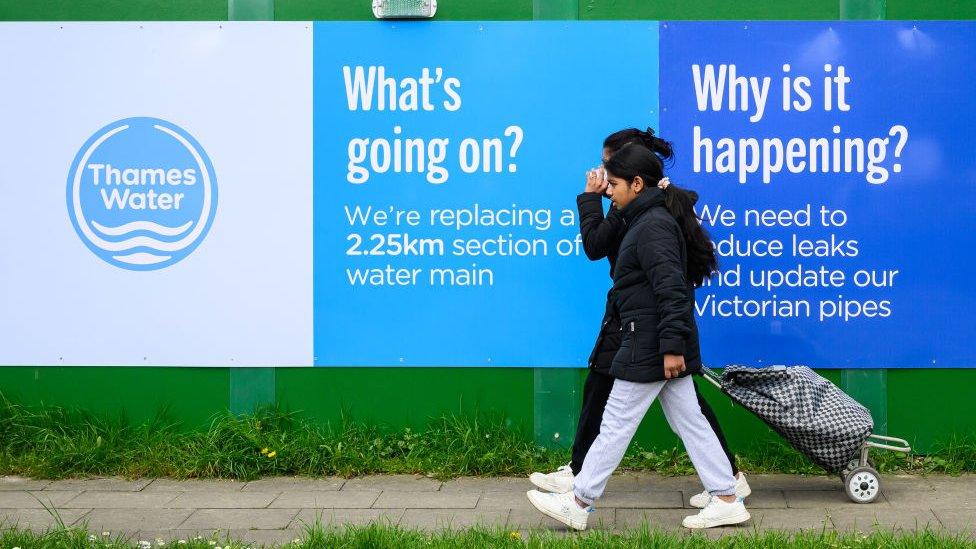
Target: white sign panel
{"points": [[156, 194]]}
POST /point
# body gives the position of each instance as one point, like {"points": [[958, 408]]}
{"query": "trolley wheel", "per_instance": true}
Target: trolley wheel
{"points": [[863, 485]]}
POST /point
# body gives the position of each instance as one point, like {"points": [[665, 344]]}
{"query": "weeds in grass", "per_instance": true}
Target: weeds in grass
{"points": [[52, 442]]}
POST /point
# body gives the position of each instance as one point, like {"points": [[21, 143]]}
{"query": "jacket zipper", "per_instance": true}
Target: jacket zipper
{"points": [[633, 342]]}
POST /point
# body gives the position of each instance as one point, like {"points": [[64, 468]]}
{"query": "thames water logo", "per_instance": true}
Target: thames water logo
{"points": [[142, 193]]}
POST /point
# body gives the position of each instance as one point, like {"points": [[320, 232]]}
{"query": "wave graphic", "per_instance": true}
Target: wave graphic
{"points": [[150, 226], [141, 258], [139, 242]]}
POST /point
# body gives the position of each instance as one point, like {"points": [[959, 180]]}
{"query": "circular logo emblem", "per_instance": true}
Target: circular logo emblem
{"points": [[142, 193]]}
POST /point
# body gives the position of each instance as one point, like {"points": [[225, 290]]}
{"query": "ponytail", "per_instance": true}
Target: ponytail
{"points": [[618, 140], [658, 146], [702, 263]]}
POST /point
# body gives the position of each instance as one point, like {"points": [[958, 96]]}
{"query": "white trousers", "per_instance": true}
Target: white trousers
{"points": [[625, 409]]}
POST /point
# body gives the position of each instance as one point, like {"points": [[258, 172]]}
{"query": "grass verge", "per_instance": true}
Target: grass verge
{"points": [[379, 537], [53, 442]]}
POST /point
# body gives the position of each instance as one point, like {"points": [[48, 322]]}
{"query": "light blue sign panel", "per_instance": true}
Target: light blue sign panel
{"points": [[867, 127], [471, 141]]}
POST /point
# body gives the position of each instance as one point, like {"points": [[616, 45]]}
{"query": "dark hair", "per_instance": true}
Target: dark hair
{"points": [[634, 160], [617, 140]]}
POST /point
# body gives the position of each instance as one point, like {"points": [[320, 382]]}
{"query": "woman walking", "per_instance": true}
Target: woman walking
{"points": [[601, 239], [659, 263]]}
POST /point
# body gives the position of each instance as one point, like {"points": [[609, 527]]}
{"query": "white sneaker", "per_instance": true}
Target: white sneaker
{"points": [[562, 507], [742, 490], [718, 513], [559, 482]]}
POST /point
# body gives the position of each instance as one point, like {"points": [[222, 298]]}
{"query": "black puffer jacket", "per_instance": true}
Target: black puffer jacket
{"points": [[601, 238], [651, 293]]}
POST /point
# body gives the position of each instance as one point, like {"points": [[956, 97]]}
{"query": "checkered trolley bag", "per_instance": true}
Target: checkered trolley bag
{"points": [[814, 416]]}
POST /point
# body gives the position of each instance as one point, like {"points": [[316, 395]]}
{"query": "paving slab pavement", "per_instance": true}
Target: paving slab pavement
{"points": [[276, 510]]}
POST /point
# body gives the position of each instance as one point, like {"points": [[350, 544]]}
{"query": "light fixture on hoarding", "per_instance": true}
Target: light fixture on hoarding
{"points": [[404, 9]]}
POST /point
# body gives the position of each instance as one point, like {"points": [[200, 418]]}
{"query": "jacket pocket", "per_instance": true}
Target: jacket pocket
{"points": [[640, 332]]}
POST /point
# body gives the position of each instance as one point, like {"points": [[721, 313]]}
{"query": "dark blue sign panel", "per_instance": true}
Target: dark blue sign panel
{"points": [[837, 173], [447, 161]]}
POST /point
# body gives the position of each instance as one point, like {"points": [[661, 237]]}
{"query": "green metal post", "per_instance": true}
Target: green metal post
{"points": [[555, 9], [863, 9], [251, 387], [556, 394], [556, 406], [870, 388], [867, 386], [250, 10]]}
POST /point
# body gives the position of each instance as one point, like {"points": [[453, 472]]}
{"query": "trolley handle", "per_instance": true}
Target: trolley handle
{"points": [[711, 376], [903, 445]]}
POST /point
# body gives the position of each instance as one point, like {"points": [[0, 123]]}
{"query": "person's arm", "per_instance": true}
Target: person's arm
{"points": [[659, 253], [600, 234]]}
